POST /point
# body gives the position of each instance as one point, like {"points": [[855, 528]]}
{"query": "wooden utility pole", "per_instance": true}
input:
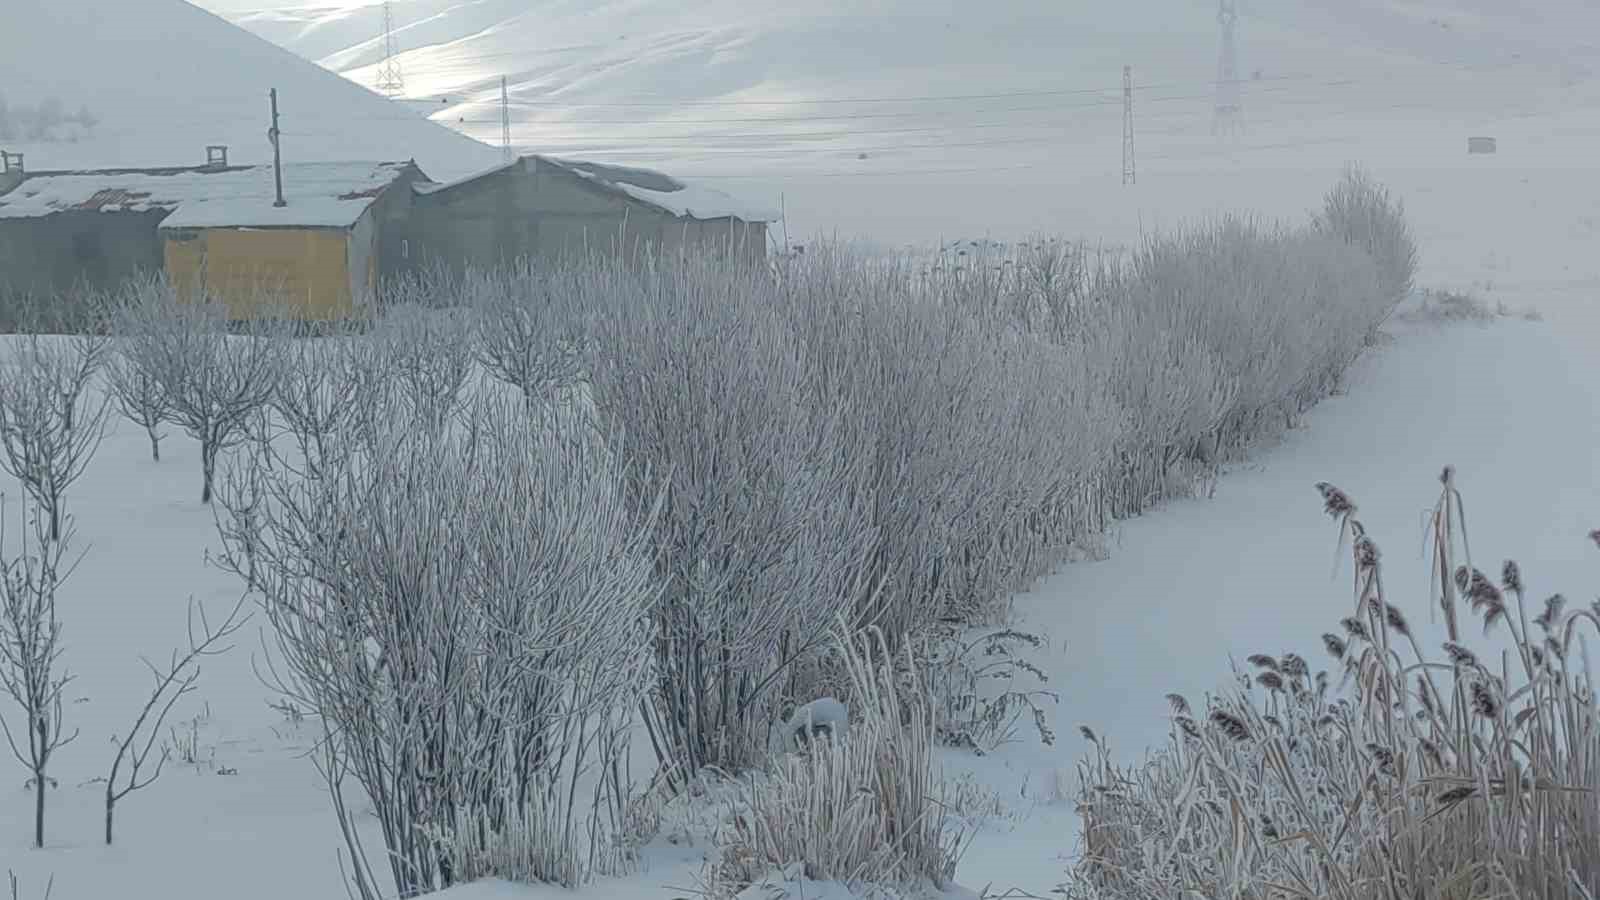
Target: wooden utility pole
{"points": [[277, 156], [505, 120]]}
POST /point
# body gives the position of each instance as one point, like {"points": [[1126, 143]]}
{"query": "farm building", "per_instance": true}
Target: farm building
{"points": [[341, 228], [323, 253], [542, 207]]}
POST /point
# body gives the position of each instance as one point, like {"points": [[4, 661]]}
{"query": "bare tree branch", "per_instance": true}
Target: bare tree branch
{"points": [[172, 683]]}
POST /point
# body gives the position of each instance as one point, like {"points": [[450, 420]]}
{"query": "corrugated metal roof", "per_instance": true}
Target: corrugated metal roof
{"points": [[318, 194], [112, 200]]}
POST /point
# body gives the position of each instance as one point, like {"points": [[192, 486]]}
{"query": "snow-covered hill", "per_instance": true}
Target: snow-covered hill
{"points": [[919, 120], [161, 79]]}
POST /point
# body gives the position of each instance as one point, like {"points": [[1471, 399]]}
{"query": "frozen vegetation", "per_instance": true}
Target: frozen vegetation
{"points": [[546, 559]]}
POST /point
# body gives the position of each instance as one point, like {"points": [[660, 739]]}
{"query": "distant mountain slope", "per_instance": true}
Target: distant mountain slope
{"points": [[761, 77], [930, 119], [161, 79]]}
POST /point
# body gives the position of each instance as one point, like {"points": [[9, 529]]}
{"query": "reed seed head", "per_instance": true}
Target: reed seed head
{"points": [[1430, 753], [1088, 734], [1479, 589], [1272, 681], [1178, 703], [1230, 725], [1367, 554], [1293, 666], [1511, 576], [1188, 726], [1356, 628], [1492, 614], [1334, 644], [1383, 756], [1334, 501], [1459, 655], [1484, 701], [1262, 661], [1396, 620], [1551, 617]]}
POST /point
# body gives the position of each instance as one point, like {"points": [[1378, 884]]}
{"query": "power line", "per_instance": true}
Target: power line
{"points": [[1000, 95]]}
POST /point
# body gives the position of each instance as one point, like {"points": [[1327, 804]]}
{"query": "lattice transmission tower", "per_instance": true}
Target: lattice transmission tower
{"points": [[391, 81], [1229, 104]]}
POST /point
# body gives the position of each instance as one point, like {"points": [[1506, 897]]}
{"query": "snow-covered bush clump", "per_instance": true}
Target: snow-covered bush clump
{"points": [[466, 609], [1361, 212], [1421, 772]]}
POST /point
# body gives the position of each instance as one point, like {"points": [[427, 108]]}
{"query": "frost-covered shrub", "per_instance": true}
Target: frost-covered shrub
{"points": [[1419, 773], [943, 434], [765, 530], [466, 610], [863, 806], [1360, 211], [984, 438]]}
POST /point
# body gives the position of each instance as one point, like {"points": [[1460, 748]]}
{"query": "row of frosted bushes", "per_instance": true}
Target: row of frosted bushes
{"points": [[476, 597], [863, 438]]}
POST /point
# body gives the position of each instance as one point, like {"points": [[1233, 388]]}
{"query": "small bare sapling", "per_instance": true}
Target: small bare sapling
{"points": [[131, 768]]}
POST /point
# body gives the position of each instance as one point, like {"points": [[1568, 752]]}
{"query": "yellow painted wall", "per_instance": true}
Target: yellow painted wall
{"points": [[307, 269]]}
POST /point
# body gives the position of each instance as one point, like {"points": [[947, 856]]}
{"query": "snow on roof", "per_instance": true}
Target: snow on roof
{"points": [[327, 195], [675, 195], [672, 195], [435, 187]]}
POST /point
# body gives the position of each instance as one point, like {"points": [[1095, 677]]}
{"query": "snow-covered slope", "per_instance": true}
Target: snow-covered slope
{"points": [[916, 120], [164, 79]]}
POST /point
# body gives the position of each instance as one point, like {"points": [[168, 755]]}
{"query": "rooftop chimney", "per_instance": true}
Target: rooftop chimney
{"points": [[217, 156], [11, 173]]}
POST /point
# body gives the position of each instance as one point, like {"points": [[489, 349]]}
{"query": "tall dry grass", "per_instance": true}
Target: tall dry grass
{"points": [[864, 806], [1451, 773]]}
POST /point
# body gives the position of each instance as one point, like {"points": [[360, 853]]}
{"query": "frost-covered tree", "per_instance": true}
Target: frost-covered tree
{"points": [[215, 384], [139, 396], [328, 389], [428, 356], [30, 655], [42, 394], [527, 326]]}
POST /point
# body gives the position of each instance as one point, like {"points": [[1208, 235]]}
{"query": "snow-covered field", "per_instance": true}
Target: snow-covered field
{"points": [[1510, 404]]}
